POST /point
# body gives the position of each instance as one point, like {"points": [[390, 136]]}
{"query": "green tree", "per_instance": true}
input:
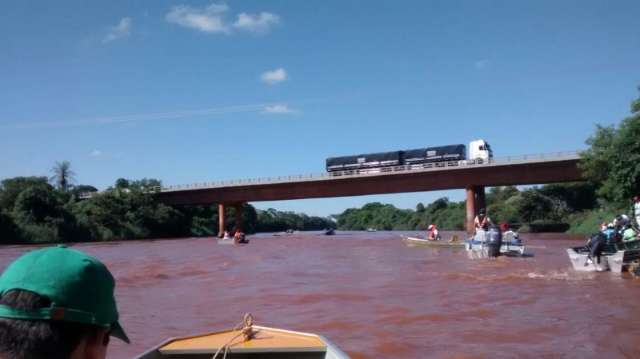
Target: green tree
{"points": [[41, 217], [534, 206], [10, 188], [9, 231], [612, 162], [63, 176]]}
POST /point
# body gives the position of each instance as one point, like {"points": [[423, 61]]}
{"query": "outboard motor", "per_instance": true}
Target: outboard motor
{"points": [[596, 246], [494, 241]]}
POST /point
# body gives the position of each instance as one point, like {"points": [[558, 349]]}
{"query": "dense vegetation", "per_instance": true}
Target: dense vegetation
{"points": [[32, 210], [537, 209]]}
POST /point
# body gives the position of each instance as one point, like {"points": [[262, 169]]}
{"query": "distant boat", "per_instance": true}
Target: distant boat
{"points": [[329, 232], [227, 240], [371, 230], [418, 241], [251, 341]]}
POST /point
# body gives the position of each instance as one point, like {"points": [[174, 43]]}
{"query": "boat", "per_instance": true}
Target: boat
{"points": [[419, 241], [371, 230], [247, 341], [329, 232], [485, 244], [226, 240], [615, 257]]}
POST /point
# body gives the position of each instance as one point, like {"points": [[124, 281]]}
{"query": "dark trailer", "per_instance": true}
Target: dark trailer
{"points": [[434, 154], [446, 153], [365, 161]]}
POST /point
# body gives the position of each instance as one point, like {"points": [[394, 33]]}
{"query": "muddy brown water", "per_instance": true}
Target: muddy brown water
{"points": [[373, 295]]}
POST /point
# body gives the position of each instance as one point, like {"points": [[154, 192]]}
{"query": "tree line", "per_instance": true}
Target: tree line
{"points": [[546, 208], [46, 210]]}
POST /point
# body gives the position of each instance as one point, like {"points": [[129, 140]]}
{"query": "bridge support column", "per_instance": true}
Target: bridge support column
{"points": [[475, 201], [471, 208], [221, 222], [239, 208]]}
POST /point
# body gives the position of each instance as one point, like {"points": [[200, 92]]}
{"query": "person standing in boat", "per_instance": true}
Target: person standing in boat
{"points": [[57, 302], [482, 221], [432, 233], [629, 233]]}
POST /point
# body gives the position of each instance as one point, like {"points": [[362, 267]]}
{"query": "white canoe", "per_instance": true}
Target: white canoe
{"points": [[266, 343], [425, 242]]}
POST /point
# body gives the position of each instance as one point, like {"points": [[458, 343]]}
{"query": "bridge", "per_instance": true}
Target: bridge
{"points": [[472, 176]]}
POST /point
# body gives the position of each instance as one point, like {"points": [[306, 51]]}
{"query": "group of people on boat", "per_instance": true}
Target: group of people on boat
{"points": [[620, 230], [238, 236], [482, 222]]}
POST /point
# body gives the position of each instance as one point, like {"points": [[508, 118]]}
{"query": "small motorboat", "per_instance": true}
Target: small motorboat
{"points": [[226, 240], [419, 241], [615, 257], [580, 258], [247, 341], [371, 230], [329, 232], [492, 244]]}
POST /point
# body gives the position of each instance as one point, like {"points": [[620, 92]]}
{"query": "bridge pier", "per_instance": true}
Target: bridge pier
{"points": [[471, 208], [475, 201], [221, 221]]}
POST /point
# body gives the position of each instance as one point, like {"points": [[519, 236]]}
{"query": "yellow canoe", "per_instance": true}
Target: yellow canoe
{"points": [[265, 342]]}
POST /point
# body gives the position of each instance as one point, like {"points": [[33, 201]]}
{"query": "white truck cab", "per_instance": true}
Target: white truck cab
{"points": [[480, 150]]}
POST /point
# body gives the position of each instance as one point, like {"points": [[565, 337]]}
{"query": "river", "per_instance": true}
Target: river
{"points": [[373, 295]]}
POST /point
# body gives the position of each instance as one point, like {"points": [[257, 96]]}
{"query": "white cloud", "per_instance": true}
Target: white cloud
{"points": [[280, 108], [274, 76], [209, 19], [257, 23], [186, 115], [123, 29], [95, 153], [481, 64]]}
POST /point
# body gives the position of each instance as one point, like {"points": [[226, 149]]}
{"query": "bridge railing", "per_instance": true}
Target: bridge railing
{"points": [[505, 160]]}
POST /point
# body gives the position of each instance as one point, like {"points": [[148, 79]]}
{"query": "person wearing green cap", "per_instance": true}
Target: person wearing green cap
{"points": [[57, 303]]}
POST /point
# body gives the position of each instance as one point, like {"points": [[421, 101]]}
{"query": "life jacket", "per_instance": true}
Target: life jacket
{"points": [[484, 223]]}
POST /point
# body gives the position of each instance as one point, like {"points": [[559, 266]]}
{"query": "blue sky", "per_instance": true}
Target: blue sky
{"points": [[202, 91]]}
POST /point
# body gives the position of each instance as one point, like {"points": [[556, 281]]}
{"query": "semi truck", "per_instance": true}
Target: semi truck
{"points": [[479, 151]]}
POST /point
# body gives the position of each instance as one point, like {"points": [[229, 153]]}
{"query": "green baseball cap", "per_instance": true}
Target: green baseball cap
{"points": [[79, 286]]}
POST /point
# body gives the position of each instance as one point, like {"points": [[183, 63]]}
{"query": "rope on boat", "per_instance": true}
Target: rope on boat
{"points": [[246, 330]]}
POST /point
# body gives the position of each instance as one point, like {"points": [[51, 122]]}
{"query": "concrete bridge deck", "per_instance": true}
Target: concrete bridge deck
{"points": [[513, 170]]}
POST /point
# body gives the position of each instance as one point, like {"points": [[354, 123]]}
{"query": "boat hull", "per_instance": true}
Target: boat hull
{"points": [[579, 258], [478, 249], [268, 342], [416, 241]]}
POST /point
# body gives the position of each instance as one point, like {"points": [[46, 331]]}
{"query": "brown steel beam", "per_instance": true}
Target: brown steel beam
{"points": [[471, 208], [221, 221]]}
